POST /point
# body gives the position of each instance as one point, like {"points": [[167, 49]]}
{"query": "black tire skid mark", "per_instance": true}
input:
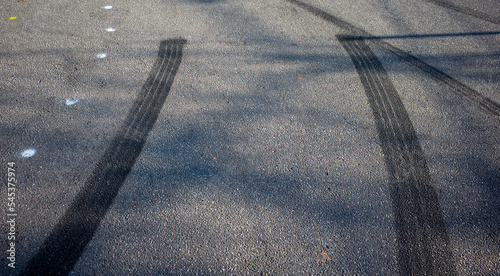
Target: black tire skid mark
{"points": [[423, 243], [466, 10], [67, 241], [487, 105]]}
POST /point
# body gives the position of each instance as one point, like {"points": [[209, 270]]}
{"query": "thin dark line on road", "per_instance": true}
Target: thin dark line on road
{"points": [[487, 105], [67, 241], [466, 10], [429, 35], [423, 242]]}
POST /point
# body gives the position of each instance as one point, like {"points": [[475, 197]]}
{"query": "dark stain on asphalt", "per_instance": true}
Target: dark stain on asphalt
{"points": [[423, 242], [62, 249]]}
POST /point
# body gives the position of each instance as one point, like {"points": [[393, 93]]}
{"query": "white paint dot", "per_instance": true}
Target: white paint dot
{"points": [[28, 153], [102, 55], [71, 101], [110, 30], [107, 7]]}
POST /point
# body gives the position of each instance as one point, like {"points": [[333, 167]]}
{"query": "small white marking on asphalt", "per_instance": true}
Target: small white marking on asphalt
{"points": [[28, 153], [102, 55], [71, 101], [110, 30], [107, 7]]}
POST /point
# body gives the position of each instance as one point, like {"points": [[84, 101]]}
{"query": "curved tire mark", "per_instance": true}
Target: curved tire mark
{"points": [[487, 105], [466, 10], [62, 249], [423, 243]]}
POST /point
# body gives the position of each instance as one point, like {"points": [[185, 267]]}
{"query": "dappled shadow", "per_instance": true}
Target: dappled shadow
{"points": [[255, 166]]}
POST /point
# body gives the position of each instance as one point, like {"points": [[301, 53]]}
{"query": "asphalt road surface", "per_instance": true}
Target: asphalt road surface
{"points": [[219, 137]]}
